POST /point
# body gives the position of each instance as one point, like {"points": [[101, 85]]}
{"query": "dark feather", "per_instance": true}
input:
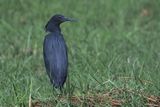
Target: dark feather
{"points": [[55, 58]]}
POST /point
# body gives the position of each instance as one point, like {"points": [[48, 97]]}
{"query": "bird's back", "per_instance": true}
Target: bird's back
{"points": [[55, 58]]}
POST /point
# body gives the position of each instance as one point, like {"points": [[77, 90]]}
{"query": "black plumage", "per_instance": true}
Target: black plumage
{"points": [[55, 51]]}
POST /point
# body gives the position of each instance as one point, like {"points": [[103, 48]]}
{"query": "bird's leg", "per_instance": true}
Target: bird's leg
{"points": [[57, 91]]}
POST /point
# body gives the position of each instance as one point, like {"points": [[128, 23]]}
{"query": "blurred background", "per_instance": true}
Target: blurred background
{"points": [[114, 52]]}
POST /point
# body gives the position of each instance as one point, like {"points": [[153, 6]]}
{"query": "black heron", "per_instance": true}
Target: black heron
{"points": [[55, 51]]}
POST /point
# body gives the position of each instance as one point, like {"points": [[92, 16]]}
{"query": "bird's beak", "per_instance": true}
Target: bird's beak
{"points": [[70, 19]]}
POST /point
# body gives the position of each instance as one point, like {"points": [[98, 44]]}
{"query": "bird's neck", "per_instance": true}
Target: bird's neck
{"points": [[56, 29], [53, 27]]}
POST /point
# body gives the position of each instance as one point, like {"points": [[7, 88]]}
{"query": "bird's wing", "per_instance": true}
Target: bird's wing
{"points": [[55, 58]]}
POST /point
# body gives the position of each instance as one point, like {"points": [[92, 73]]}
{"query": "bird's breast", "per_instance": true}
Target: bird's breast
{"points": [[56, 51]]}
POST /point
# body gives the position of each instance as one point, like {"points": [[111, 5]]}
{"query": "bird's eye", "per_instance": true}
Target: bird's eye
{"points": [[61, 17]]}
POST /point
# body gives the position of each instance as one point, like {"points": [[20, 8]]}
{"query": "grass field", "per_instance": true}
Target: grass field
{"points": [[114, 53]]}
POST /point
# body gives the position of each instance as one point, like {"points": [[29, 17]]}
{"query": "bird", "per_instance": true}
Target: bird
{"points": [[55, 51]]}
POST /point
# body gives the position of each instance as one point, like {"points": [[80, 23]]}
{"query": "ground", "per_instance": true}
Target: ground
{"points": [[114, 53]]}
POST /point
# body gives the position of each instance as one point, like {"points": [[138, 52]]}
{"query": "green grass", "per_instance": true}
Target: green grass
{"points": [[114, 52]]}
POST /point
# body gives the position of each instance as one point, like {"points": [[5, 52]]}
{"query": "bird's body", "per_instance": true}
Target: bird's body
{"points": [[56, 60], [55, 52]]}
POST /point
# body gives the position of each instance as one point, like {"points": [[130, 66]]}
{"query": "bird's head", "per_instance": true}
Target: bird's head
{"points": [[55, 21]]}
